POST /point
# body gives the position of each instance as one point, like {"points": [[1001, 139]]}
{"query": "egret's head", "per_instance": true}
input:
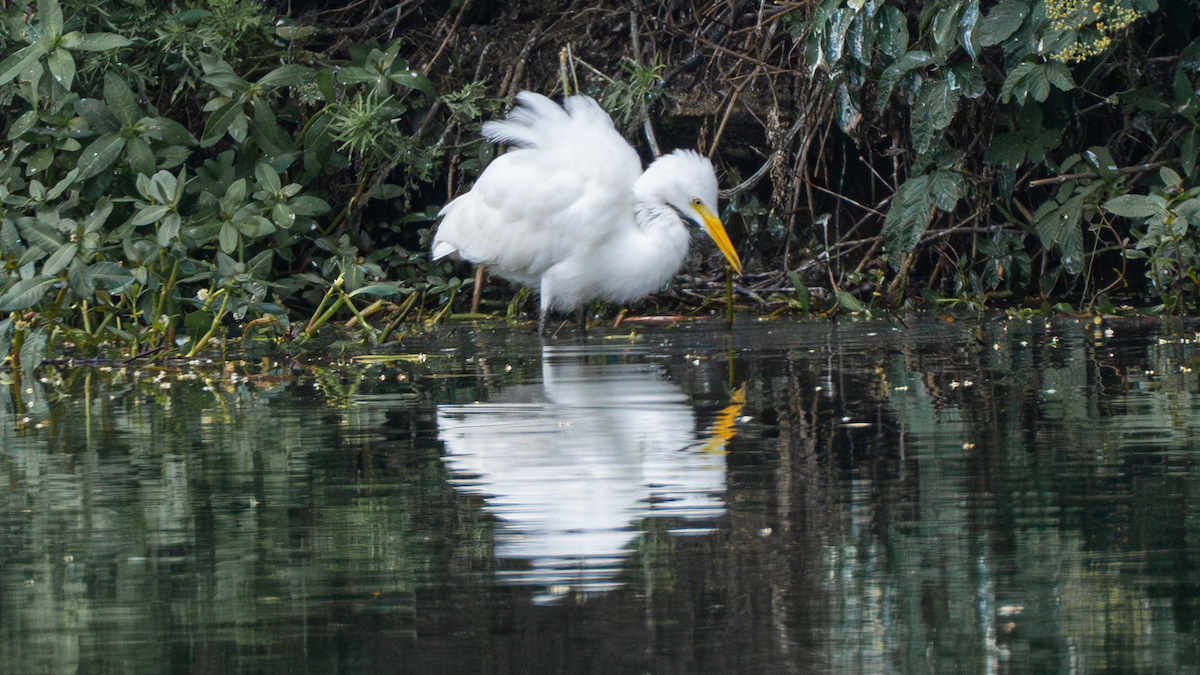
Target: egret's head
{"points": [[685, 181]]}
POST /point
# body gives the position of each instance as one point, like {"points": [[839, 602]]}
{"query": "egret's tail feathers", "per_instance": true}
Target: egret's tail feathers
{"points": [[441, 249], [537, 121]]}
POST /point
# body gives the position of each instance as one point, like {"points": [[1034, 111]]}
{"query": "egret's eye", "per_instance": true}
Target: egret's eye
{"points": [[696, 201]]}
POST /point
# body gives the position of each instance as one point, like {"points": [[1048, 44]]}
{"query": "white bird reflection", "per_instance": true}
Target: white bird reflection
{"points": [[571, 467]]}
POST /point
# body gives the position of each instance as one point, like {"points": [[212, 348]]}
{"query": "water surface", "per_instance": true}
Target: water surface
{"points": [[790, 497]]}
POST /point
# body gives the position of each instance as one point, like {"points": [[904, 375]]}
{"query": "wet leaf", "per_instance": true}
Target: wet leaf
{"points": [[62, 67], [933, 112], [966, 26], [892, 35], [1002, 21], [894, 73], [100, 155], [839, 23]]}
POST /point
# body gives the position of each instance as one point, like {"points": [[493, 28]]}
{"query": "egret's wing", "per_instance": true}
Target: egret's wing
{"points": [[568, 186]]}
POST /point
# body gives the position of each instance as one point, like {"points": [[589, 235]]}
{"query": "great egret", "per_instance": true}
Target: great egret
{"points": [[570, 212]]}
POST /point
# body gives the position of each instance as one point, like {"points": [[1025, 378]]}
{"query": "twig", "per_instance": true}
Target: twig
{"points": [[1092, 174]]}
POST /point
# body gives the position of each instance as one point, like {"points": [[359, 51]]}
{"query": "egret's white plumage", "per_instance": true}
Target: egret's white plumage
{"points": [[571, 213]]}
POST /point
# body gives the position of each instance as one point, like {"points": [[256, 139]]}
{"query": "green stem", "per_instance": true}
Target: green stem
{"points": [[404, 309], [371, 332], [311, 327], [203, 341]]}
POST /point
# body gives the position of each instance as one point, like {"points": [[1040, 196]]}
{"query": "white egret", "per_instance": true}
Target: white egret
{"points": [[571, 214]]}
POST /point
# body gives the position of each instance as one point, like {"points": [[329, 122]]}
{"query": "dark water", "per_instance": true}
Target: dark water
{"points": [[821, 498]]}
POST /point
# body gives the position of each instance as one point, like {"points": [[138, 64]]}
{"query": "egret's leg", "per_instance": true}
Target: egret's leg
{"points": [[478, 290]]}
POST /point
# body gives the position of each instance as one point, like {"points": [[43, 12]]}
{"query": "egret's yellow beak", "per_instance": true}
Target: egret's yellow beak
{"points": [[714, 228]]}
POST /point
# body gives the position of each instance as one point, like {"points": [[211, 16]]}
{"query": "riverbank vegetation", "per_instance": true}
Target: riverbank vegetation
{"points": [[177, 174]]}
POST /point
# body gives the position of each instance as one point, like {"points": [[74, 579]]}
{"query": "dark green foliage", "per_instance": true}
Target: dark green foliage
{"points": [[127, 215], [1002, 132]]}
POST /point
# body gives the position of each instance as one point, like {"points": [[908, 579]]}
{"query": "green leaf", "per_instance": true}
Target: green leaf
{"points": [[150, 214], [168, 229], [966, 27], [378, 290], [254, 226], [286, 76], [41, 235], [39, 161], [22, 59], [849, 302], [98, 216], [892, 75], [1059, 76], [50, 16], [109, 276], [932, 113], [1059, 229], [947, 189], [835, 36], [59, 260], [892, 33], [227, 82], [120, 99], [907, 218], [1007, 150], [307, 205], [414, 79], [22, 124], [1170, 178], [62, 67], [325, 84], [219, 122], [33, 350], [1014, 77], [165, 188], [862, 38], [1004, 20], [141, 159], [81, 279], [1129, 206], [1187, 153], [62, 185], [26, 293], [943, 34], [268, 178], [228, 238], [102, 42]]}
